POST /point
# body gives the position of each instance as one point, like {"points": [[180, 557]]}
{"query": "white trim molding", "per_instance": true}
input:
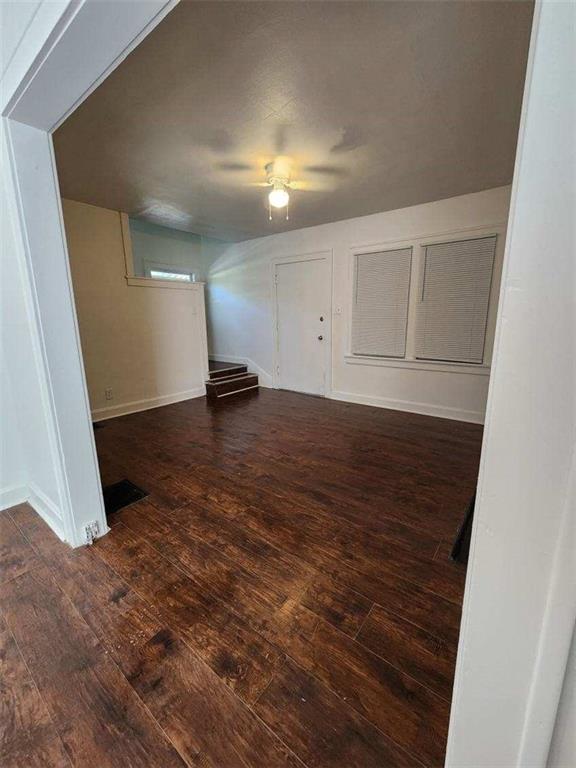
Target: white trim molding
{"points": [[410, 406], [419, 365], [152, 282], [49, 512], [135, 406], [45, 507], [13, 495]]}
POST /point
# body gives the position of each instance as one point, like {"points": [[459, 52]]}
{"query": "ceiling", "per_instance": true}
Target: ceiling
{"points": [[380, 105]]}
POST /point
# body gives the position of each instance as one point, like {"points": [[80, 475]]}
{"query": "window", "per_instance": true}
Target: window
{"points": [[380, 310], [454, 297], [165, 274]]}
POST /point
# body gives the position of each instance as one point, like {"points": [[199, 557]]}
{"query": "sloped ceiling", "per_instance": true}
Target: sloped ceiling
{"points": [[380, 105]]}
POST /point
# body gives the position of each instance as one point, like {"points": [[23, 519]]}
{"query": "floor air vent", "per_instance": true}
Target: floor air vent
{"points": [[120, 495]]}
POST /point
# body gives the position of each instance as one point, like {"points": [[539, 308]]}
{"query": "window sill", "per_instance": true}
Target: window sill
{"points": [[151, 282], [418, 365]]}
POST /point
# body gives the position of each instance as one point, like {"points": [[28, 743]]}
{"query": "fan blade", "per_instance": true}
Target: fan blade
{"points": [[327, 170], [234, 166], [310, 186]]}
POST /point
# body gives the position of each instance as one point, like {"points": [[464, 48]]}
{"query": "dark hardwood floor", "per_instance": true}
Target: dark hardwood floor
{"points": [[282, 598]]}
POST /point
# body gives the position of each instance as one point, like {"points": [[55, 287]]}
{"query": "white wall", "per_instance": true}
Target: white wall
{"points": [[147, 344], [16, 17], [563, 747], [24, 27], [153, 245], [240, 309], [521, 584], [13, 475], [59, 479], [26, 455], [28, 469]]}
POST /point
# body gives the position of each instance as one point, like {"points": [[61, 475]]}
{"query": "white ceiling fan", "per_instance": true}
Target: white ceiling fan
{"points": [[280, 182]]}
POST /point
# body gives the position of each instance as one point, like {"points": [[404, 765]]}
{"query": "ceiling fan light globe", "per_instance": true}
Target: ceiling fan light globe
{"points": [[278, 198]]}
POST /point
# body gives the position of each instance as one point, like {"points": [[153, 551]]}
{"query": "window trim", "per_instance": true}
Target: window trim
{"points": [[152, 282], [418, 244]]}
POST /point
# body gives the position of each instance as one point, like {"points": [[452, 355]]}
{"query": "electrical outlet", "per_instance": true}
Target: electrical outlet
{"points": [[91, 530], [108, 394]]}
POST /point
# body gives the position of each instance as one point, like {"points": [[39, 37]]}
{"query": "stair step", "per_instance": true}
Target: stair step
{"points": [[224, 373], [222, 388], [231, 377], [237, 391]]}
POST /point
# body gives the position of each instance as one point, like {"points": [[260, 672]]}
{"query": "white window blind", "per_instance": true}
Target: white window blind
{"points": [[452, 313], [380, 310]]}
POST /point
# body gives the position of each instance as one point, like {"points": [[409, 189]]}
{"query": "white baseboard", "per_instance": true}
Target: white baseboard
{"points": [[45, 507], [99, 414], [264, 378], [426, 409], [10, 497], [47, 510]]}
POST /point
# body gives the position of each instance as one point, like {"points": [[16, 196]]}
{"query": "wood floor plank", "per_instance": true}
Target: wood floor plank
{"points": [[291, 548], [16, 555], [338, 605], [418, 604], [206, 722], [98, 716], [214, 572], [397, 704], [224, 732], [322, 730], [27, 736], [203, 718], [371, 556], [243, 546], [239, 655], [421, 655], [46, 545], [411, 601]]}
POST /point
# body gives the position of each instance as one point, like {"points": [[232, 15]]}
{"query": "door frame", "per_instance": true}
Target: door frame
{"points": [[328, 256], [66, 50]]}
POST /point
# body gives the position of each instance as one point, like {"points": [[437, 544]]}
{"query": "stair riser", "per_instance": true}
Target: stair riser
{"points": [[225, 373], [236, 393], [215, 389], [234, 377]]}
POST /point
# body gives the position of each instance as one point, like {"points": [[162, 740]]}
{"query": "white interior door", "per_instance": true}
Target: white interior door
{"points": [[303, 294]]}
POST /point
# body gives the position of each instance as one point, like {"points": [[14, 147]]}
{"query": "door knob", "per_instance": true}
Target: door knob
{"points": [[320, 338]]}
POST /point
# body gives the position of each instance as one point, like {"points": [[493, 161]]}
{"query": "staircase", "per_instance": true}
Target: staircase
{"points": [[228, 379]]}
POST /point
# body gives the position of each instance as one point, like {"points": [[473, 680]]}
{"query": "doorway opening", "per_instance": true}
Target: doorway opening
{"points": [[310, 483]]}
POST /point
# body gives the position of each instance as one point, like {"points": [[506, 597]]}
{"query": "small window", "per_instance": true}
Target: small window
{"points": [[163, 274], [380, 310], [454, 298]]}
